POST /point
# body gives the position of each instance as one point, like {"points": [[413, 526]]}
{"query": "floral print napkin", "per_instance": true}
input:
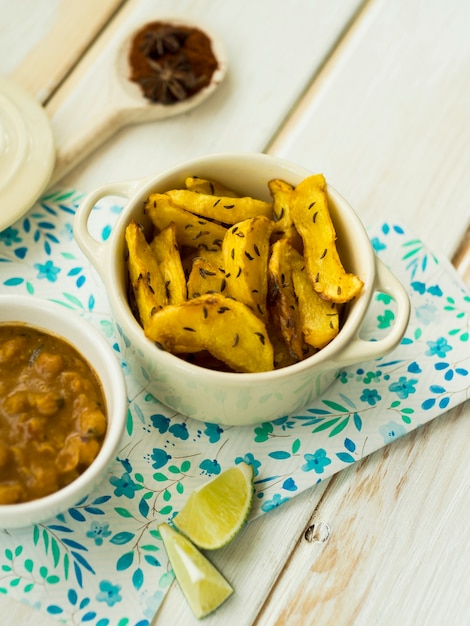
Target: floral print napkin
{"points": [[102, 562]]}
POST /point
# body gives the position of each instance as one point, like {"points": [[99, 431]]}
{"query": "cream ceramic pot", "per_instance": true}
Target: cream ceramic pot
{"points": [[56, 319], [224, 397]]}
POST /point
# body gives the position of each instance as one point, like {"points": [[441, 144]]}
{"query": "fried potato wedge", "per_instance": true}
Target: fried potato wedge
{"points": [[205, 278], [214, 257], [283, 300], [319, 318], [236, 283], [245, 250], [191, 231], [222, 326], [282, 355], [211, 187], [226, 210], [309, 209], [281, 193], [147, 282], [166, 250]]}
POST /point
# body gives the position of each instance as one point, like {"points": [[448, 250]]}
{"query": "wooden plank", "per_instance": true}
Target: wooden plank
{"points": [[49, 39], [393, 105], [398, 546], [269, 68], [388, 120]]}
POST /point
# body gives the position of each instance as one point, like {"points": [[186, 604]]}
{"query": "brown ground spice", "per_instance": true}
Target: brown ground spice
{"points": [[195, 51]]}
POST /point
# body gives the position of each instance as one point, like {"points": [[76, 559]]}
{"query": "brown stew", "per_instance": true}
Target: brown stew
{"points": [[52, 413]]}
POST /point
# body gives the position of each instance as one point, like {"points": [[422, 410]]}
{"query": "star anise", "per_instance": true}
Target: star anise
{"points": [[161, 40], [169, 80]]}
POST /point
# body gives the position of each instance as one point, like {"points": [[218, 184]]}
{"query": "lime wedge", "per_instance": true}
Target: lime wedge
{"points": [[214, 513], [204, 587]]}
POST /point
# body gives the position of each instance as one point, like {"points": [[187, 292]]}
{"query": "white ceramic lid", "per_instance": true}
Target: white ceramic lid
{"points": [[27, 152]]}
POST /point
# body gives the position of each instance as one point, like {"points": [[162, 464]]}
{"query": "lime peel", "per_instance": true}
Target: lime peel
{"points": [[202, 584], [216, 512]]}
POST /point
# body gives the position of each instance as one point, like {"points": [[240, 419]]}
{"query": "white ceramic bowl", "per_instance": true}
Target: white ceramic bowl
{"points": [[54, 318], [232, 398]]}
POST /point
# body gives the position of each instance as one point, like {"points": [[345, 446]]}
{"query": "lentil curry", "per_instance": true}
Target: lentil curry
{"points": [[52, 413]]}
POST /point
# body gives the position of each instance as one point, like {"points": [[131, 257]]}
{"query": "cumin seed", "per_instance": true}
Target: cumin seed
{"points": [[236, 340], [217, 202], [203, 272], [256, 250], [261, 337], [205, 312], [189, 329], [223, 309], [248, 256], [239, 272], [324, 253], [228, 206], [280, 216], [314, 218]]}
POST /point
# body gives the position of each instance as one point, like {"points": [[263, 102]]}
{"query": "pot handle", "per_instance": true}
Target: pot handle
{"points": [[93, 249], [362, 350]]}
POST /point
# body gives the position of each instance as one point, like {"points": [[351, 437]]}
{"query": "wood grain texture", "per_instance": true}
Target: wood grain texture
{"points": [[68, 29], [269, 68], [398, 547], [394, 105], [388, 119]]}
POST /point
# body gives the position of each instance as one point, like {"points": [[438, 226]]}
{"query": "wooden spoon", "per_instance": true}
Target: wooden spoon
{"points": [[106, 100]]}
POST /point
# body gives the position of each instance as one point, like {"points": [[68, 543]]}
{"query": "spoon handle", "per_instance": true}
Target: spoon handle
{"points": [[77, 147]]}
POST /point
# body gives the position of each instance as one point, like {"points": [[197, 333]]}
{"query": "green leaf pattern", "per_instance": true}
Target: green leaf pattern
{"points": [[102, 561]]}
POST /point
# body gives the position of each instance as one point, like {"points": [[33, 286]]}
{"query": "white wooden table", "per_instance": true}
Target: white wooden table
{"points": [[376, 95]]}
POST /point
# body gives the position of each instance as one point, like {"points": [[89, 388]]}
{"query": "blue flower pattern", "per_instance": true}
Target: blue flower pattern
{"points": [[317, 461], [58, 566], [98, 532]]}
